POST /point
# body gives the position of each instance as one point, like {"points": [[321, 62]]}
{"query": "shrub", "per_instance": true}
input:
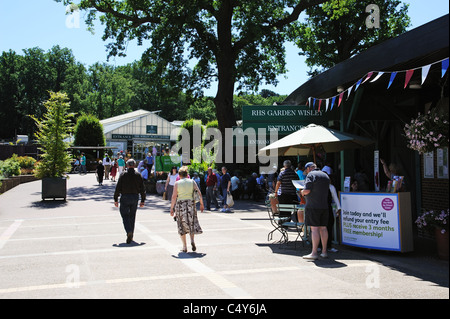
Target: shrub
{"points": [[53, 129], [9, 167]]}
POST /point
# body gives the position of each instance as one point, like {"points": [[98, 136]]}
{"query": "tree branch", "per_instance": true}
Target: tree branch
{"points": [[251, 37], [137, 21]]}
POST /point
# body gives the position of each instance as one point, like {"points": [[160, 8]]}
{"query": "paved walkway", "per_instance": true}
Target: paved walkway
{"points": [[76, 249]]}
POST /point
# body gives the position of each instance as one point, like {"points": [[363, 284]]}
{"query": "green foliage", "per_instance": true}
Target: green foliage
{"points": [[9, 167], [14, 165], [53, 129], [336, 30], [232, 41], [202, 109], [89, 132], [25, 162]]}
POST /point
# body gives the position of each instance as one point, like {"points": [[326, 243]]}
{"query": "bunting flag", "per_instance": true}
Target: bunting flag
{"points": [[393, 74], [349, 91], [408, 75], [425, 70], [340, 98], [332, 101], [357, 84], [377, 77], [368, 77], [444, 66]]}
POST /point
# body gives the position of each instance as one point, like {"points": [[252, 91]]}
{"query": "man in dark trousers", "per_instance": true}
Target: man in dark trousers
{"points": [[316, 189], [130, 185]]}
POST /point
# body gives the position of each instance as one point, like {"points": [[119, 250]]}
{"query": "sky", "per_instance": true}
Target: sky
{"points": [[43, 23]]}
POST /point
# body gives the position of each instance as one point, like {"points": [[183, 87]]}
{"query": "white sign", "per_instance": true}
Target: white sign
{"points": [[370, 220]]}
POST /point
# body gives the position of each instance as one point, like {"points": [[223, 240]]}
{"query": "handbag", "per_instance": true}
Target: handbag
{"points": [[230, 201], [195, 196]]}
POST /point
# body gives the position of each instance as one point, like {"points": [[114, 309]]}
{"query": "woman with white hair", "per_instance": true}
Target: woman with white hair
{"points": [[183, 206]]}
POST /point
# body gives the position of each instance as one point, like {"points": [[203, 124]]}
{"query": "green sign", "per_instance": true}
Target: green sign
{"points": [[285, 119], [280, 114], [152, 129], [165, 163]]}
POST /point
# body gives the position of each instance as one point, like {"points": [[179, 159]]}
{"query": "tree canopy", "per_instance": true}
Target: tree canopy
{"points": [[100, 89], [232, 41], [337, 30]]}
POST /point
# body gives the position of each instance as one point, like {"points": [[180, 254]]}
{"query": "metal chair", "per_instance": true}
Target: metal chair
{"points": [[276, 222], [300, 228]]}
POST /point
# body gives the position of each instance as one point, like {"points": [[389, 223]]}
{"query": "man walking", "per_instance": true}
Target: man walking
{"points": [[130, 185], [317, 184], [211, 184]]}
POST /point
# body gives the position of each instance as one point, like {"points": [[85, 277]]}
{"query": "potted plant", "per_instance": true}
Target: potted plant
{"points": [[55, 160], [436, 222]]}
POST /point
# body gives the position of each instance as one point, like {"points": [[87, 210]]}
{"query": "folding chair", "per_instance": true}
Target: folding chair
{"points": [[300, 228], [276, 222]]}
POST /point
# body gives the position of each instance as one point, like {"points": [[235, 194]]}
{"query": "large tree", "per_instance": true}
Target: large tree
{"points": [[231, 40], [339, 29]]}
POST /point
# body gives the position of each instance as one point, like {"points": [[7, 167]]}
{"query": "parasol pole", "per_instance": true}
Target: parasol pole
{"points": [[314, 153]]}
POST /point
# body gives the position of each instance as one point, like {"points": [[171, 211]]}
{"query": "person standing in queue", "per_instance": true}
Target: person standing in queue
{"points": [[316, 189], [288, 194], [129, 186]]}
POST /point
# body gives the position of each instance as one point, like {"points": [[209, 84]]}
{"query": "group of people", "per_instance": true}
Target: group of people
{"points": [[109, 167], [131, 185], [318, 193], [215, 185]]}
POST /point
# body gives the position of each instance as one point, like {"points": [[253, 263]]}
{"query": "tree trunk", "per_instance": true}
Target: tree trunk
{"points": [[226, 68], [224, 101]]}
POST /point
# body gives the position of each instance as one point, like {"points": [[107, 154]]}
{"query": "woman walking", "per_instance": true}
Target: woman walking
{"points": [[183, 207], [170, 182]]}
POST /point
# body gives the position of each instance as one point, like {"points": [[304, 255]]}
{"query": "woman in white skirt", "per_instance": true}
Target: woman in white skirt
{"points": [[183, 207]]}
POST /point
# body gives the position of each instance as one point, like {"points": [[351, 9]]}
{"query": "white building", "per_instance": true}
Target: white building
{"points": [[139, 132]]}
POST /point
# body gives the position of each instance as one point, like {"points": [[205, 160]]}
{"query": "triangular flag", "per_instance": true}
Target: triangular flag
{"points": [[332, 101], [393, 74], [368, 76], [326, 105], [314, 103], [320, 102], [408, 76], [340, 98], [349, 91], [425, 70], [444, 66], [357, 84], [308, 102], [377, 77]]}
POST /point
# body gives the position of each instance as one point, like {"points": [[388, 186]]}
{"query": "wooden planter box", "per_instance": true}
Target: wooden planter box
{"points": [[54, 187]]}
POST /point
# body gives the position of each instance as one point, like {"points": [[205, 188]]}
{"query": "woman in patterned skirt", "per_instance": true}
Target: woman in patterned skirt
{"points": [[183, 206]]}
